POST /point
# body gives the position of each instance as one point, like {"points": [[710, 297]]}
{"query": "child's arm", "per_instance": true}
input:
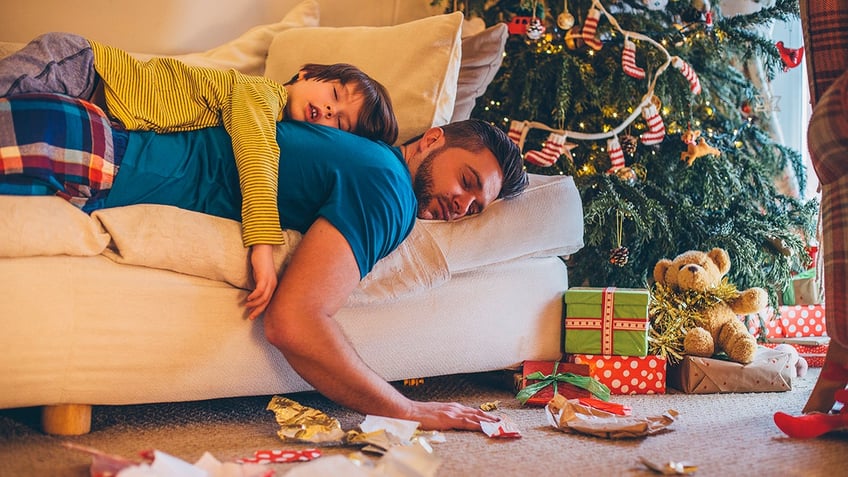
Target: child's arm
{"points": [[265, 277], [251, 121]]}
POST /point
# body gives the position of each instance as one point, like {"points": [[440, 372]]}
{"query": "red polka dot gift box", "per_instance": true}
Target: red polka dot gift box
{"points": [[791, 321], [626, 374], [802, 320]]}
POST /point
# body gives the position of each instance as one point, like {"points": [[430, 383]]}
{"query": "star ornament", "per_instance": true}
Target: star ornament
{"points": [[767, 104]]}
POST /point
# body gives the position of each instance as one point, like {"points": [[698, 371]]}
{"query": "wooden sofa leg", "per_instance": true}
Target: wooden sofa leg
{"points": [[66, 419]]}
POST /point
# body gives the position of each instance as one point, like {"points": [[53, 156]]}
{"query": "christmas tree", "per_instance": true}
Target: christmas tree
{"points": [[647, 104]]}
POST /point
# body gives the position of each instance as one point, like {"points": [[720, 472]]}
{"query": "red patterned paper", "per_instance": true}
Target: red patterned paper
{"points": [[626, 374]]}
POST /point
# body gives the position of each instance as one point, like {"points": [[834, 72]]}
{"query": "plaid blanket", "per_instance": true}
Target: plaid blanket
{"points": [[54, 144]]}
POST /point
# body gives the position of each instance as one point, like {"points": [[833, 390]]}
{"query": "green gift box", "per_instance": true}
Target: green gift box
{"points": [[607, 321]]}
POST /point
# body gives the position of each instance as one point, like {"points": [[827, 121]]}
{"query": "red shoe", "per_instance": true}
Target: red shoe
{"points": [[810, 425]]}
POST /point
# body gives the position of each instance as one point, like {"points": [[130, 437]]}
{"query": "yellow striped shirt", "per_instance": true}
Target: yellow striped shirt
{"points": [[166, 95]]}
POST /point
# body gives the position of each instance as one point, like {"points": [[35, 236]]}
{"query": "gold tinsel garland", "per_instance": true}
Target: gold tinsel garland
{"points": [[673, 312]]}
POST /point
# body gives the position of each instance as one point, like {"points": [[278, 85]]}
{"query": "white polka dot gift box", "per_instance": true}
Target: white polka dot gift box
{"points": [[626, 374]]}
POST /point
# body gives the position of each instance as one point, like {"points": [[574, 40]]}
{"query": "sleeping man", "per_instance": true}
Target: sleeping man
{"points": [[354, 200]]}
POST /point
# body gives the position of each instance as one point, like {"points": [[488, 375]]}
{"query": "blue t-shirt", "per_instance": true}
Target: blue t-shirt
{"points": [[361, 187]]}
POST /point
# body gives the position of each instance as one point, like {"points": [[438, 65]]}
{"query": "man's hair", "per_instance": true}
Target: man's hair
{"points": [[377, 119], [474, 135]]}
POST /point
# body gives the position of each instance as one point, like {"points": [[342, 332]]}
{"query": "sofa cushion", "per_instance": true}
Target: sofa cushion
{"points": [[482, 56], [46, 226], [418, 63], [170, 238]]}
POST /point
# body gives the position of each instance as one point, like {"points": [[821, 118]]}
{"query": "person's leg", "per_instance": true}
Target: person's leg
{"points": [[60, 63], [55, 145], [828, 143]]}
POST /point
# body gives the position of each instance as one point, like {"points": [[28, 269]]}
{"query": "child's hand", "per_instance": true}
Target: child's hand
{"points": [[265, 276]]}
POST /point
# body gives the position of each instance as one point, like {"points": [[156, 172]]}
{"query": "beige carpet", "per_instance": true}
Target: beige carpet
{"points": [[724, 435]]}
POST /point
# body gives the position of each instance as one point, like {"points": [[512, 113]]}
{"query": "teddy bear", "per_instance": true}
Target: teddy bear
{"points": [[718, 327]]}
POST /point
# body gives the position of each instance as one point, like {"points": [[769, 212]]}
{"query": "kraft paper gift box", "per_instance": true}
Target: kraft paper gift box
{"points": [[626, 374], [803, 289], [552, 369], [771, 371], [606, 321]]}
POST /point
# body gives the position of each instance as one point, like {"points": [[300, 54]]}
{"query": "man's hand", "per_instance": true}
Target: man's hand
{"points": [[265, 276], [441, 416]]}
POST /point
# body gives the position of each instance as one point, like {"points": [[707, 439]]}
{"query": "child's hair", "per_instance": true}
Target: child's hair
{"points": [[377, 119]]}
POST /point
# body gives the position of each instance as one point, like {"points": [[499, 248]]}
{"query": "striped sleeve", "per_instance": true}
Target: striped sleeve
{"points": [[251, 121]]}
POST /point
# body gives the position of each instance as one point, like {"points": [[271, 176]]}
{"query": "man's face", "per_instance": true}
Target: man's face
{"points": [[451, 183]]}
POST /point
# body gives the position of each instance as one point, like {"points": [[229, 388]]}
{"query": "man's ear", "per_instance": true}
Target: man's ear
{"points": [[432, 138]]}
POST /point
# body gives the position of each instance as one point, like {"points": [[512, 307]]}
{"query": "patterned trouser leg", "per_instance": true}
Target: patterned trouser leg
{"points": [[52, 63], [828, 143]]}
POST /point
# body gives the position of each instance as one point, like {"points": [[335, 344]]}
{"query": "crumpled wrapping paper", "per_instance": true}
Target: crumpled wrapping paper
{"points": [[568, 415]]}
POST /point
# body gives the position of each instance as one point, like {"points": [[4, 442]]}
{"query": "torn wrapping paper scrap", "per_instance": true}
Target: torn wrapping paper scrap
{"points": [[413, 460], [669, 467], [568, 415], [281, 456], [502, 428], [612, 407], [302, 423], [401, 428], [160, 464]]}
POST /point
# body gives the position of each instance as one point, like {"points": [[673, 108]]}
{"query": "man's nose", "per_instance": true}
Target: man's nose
{"points": [[328, 111], [461, 205]]}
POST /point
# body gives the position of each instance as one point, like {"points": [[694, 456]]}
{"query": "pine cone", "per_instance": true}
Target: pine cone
{"points": [[628, 144], [619, 256]]}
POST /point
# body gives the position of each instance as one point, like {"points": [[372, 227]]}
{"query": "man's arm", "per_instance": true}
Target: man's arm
{"points": [[299, 322]]}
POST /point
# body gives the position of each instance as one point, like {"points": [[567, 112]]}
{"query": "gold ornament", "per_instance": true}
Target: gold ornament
{"points": [[627, 175], [565, 20]]}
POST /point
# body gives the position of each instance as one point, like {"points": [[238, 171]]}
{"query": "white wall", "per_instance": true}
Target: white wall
{"points": [[182, 26]]}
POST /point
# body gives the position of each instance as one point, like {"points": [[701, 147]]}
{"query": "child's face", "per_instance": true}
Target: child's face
{"points": [[324, 102]]}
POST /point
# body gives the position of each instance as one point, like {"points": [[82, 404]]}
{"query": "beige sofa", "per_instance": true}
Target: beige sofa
{"points": [[143, 304]]}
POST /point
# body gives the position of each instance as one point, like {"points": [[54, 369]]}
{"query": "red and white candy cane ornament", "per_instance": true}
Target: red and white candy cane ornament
{"points": [[656, 129], [590, 28], [615, 153], [553, 148], [628, 60], [689, 73]]}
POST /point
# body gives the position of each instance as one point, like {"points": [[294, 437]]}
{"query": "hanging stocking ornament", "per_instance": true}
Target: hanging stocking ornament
{"points": [[656, 129], [553, 147], [619, 255], [628, 60], [516, 131], [615, 153], [689, 73], [590, 28]]}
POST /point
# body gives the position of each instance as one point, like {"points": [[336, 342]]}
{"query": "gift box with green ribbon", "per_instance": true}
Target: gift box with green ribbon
{"points": [[543, 379], [606, 321]]}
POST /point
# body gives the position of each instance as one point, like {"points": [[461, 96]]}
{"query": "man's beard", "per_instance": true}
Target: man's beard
{"points": [[422, 186]]}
